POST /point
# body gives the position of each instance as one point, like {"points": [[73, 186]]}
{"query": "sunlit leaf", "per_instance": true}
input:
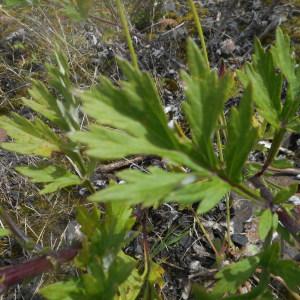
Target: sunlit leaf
{"points": [[61, 291], [148, 189], [29, 137], [53, 176], [130, 288], [4, 232]]}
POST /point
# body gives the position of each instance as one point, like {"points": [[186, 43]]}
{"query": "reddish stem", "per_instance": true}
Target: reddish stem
{"points": [[14, 274]]}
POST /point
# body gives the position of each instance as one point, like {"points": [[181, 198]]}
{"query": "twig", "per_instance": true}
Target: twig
{"points": [[105, 21], [207, 236], [23, 240], [121, 164]]}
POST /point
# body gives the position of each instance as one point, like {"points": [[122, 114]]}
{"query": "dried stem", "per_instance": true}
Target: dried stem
{"points": [[22, 239]]}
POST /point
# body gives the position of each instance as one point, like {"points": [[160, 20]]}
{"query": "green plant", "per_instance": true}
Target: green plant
{"points": [[128, 120]]}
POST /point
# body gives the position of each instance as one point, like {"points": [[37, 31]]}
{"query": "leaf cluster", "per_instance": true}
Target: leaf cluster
{"points": [[128, 119]]}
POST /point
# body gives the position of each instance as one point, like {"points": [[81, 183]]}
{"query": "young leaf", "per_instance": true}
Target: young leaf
{"points": [[241, 137], [62, 110], [232, 276], [105, 267], [44, 103], [265, 223], [60, 80], [29, 137], [55, 177], [206, 94]]}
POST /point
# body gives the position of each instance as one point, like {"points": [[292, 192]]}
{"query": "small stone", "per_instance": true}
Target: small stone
{"points": [[228, 46], [83, 191], [73, 233], [100, 183], [195, 266], [295, 200], [239, 239]]}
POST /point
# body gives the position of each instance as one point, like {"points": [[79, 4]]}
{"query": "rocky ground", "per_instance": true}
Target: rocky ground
{"points": [[176, 237]]}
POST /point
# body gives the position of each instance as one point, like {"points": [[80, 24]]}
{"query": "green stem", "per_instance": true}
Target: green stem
{"points": [[124, 22], [199, 29], [243, 189], [228, 204], [273, 151], [220, 146], [227, 198]]}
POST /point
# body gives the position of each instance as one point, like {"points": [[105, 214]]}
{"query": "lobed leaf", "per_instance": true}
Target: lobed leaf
{"points": [[205, 94], [44, 103], [55, 177], [130, 120], [285, 61], [266, 84], [161, 186], [29, 137], [208, 191], [241, 137], [149, 189]]}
